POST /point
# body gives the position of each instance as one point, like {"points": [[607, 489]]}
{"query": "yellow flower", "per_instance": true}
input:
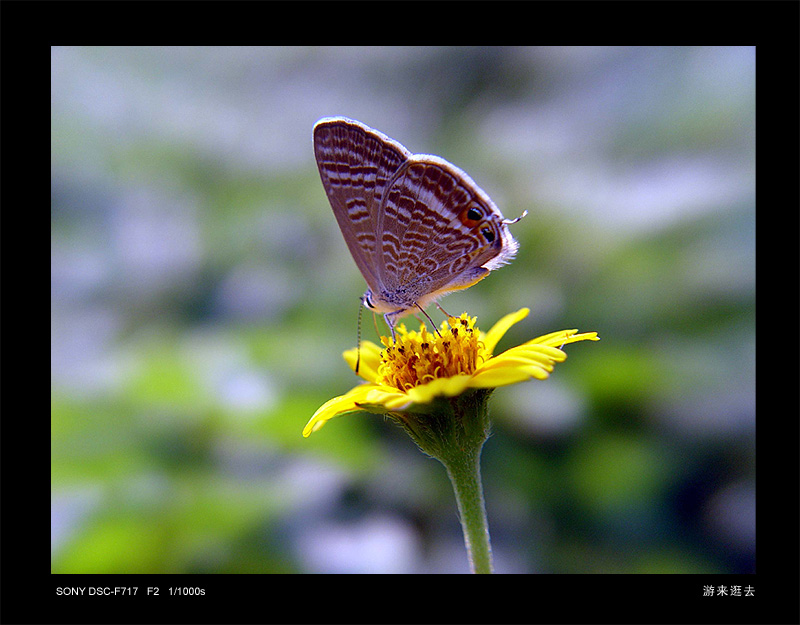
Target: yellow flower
{"points": [[421, 366]]}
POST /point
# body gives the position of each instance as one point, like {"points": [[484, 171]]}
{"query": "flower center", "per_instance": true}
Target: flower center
{"points": [[421, 357]]}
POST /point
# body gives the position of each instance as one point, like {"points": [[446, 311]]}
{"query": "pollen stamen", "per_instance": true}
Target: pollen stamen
{"points": [[416, 358]]}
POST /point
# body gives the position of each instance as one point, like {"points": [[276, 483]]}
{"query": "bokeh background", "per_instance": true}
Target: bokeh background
{"points": [[202, 296]]}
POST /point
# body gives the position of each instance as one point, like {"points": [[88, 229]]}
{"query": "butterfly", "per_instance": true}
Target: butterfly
{"points": [[417, 226]]}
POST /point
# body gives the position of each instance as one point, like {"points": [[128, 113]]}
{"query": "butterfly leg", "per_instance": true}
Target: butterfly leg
{"points": [[389, 317], [446, 314], [433, 325]]}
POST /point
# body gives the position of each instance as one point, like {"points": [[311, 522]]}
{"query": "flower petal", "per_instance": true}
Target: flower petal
{"points": [[562, 337], [449, 387], [536, 353], [518, 361], [583, 336], [388, 397], [370, 359], [337, 406], [499, 329], [502, 376]]}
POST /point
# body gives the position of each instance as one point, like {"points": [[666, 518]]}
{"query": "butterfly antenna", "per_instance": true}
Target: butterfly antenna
{"points": [[508, 222]]}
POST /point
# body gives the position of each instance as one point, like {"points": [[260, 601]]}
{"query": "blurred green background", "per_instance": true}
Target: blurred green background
{"points": [[202, 295]]}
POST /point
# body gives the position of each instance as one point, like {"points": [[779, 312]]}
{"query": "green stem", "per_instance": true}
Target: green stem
{"points": [[453, 430], [465, 474]]}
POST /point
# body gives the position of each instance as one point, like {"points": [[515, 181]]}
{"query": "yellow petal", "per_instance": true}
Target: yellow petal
{"points": [[499, 329], [337, 406], [537, 353], [370, 359], [388, 397], [517, 361], [563, 337], [449, 387], [502, 376], [584, 336]]}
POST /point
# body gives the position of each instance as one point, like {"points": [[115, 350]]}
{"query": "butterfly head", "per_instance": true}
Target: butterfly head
{"points": [[367, 299], [380, 305]]}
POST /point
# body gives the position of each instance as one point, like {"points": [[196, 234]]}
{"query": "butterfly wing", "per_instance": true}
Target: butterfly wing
{"points": [[356, 164], [439, 231]]}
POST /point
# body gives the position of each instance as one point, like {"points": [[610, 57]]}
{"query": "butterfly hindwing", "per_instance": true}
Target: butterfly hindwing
{"points": [[429, 235]]}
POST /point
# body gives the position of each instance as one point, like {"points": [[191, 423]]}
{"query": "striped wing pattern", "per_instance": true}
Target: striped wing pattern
{"points": [[427, 240], [356, 164]]}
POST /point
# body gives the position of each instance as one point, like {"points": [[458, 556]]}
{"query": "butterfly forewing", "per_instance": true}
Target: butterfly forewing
{"points": [[356, 164]]}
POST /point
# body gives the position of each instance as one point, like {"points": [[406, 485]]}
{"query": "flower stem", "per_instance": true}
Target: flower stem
{"points": [[453, 430], [465, 474]]}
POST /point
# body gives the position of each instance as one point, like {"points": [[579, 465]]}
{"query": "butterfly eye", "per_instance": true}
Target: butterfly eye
{"points": [[488, 234]]}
